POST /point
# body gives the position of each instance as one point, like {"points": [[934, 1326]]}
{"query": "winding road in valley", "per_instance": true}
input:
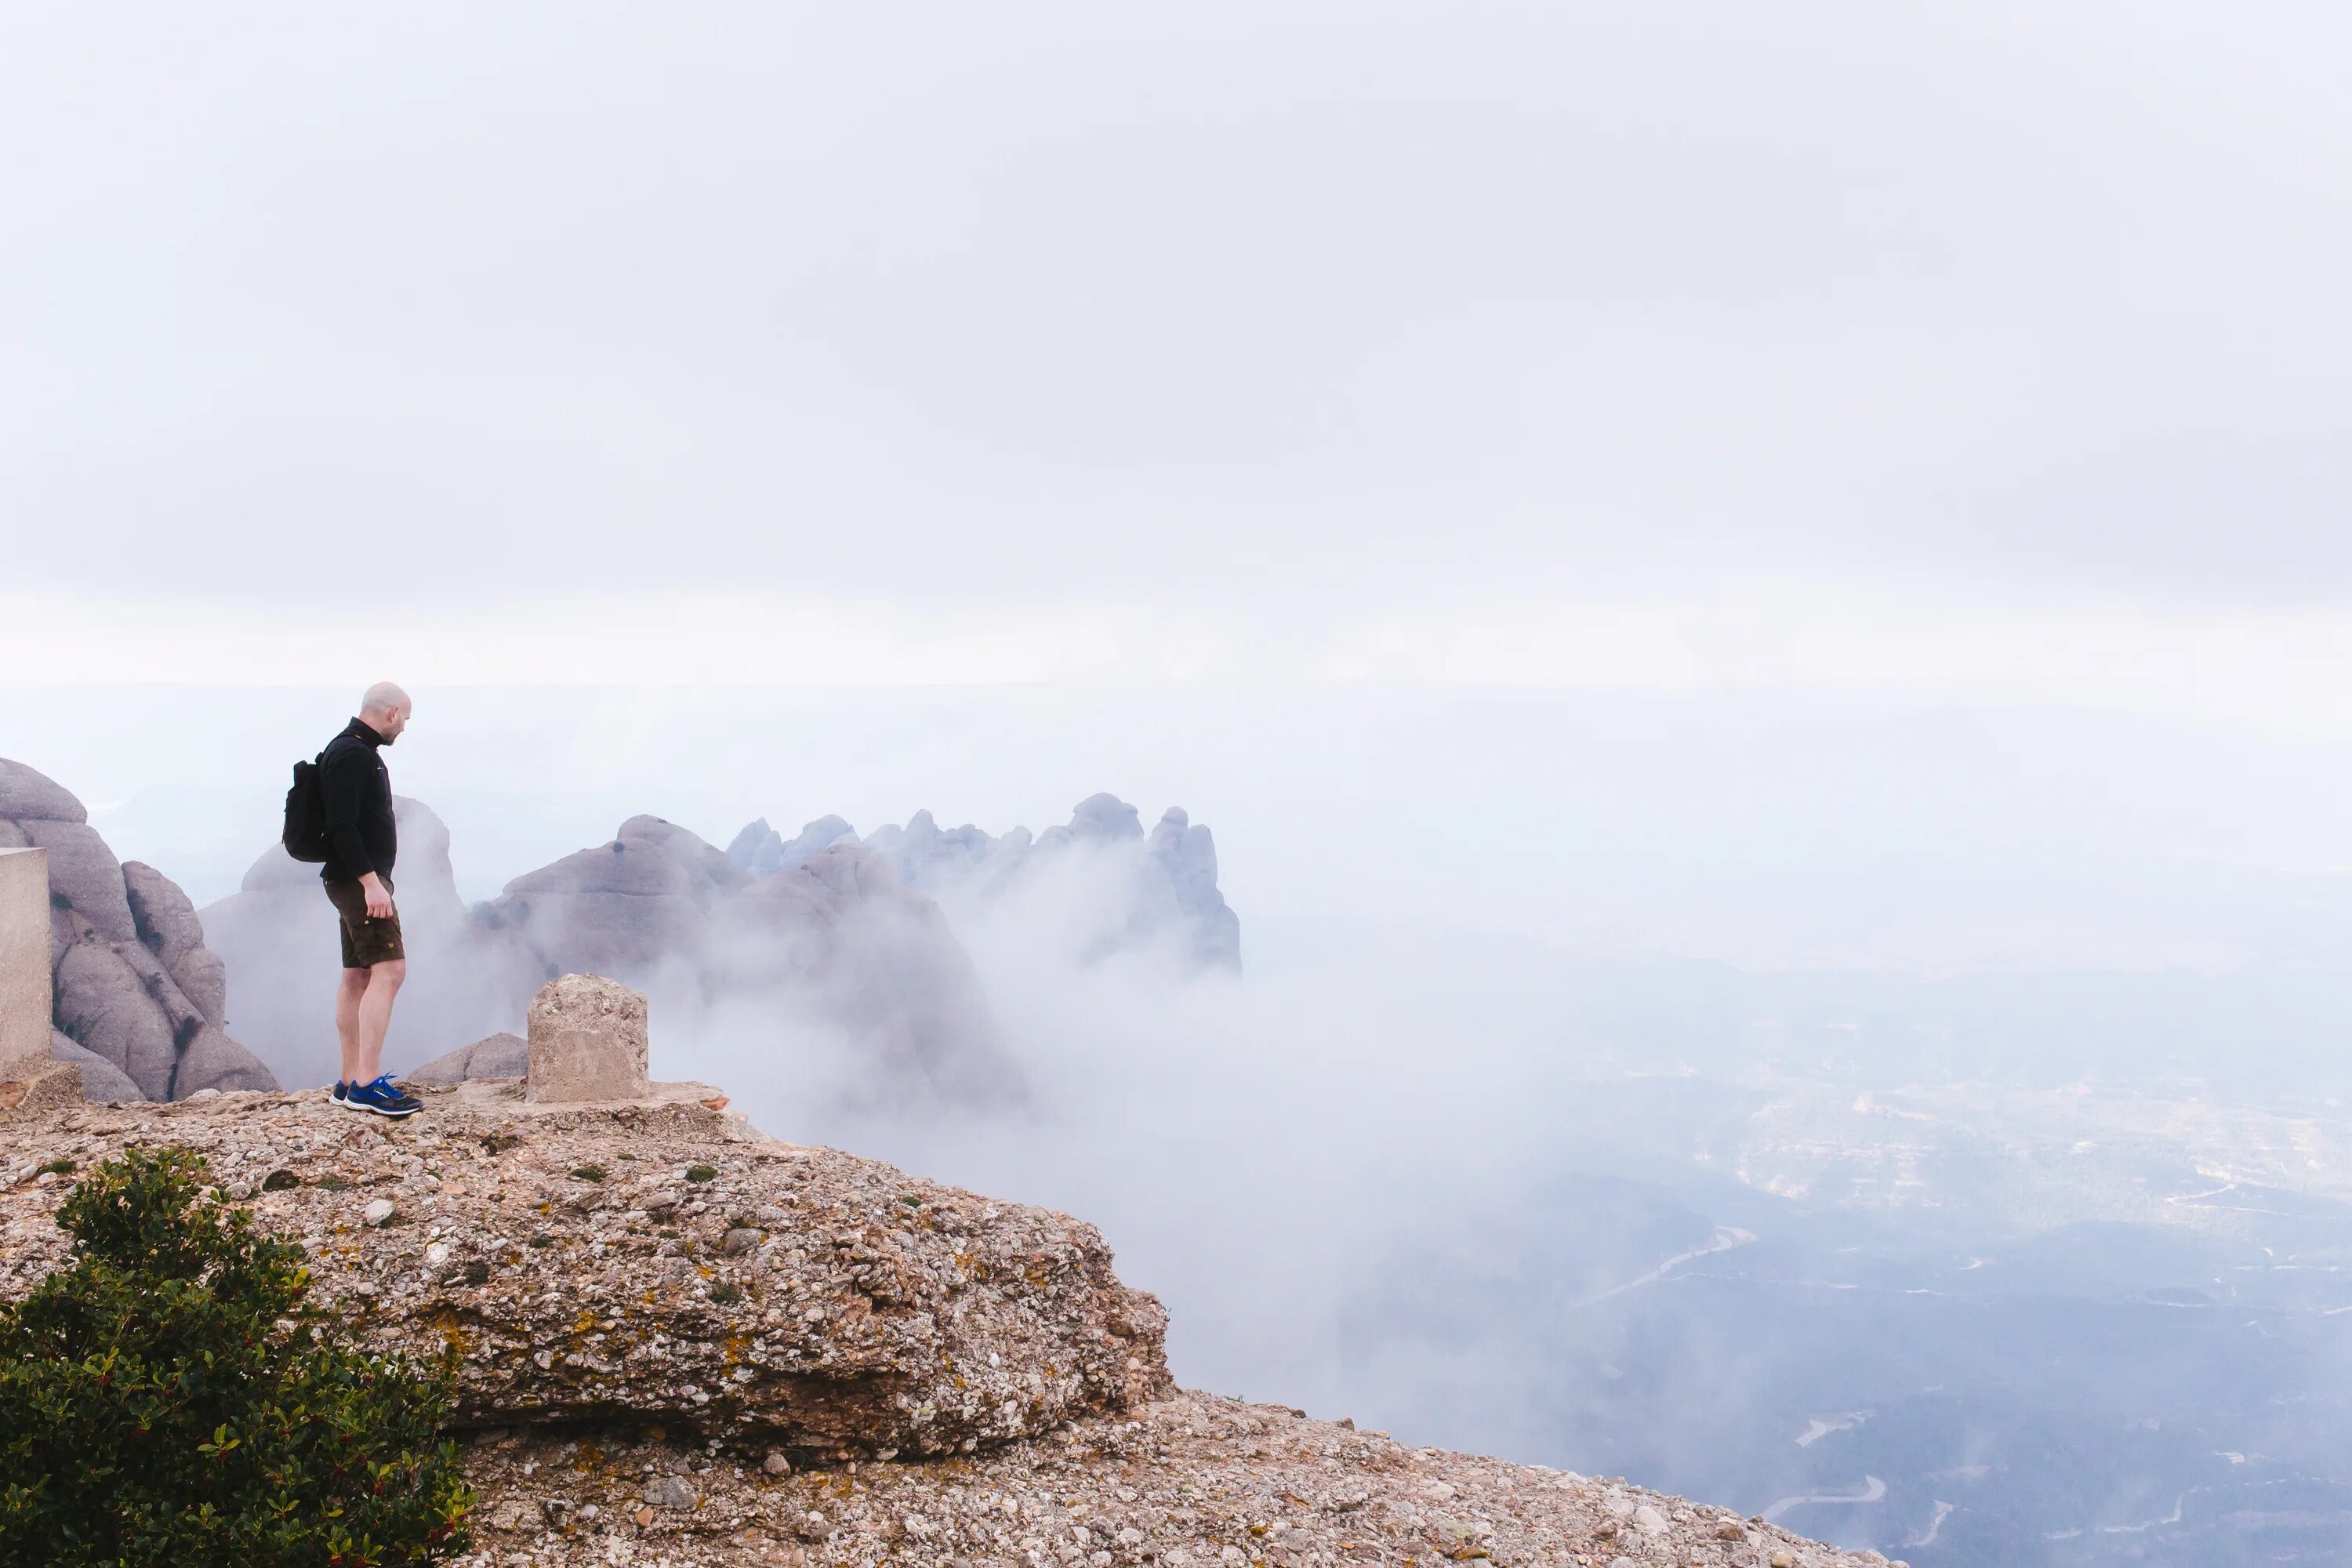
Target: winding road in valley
{"points": [[1873, 1488], [1726, 1238]]}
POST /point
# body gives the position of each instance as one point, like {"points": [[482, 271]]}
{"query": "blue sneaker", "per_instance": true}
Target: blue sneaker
{"points": [[342, 1089], [381, 1097]]}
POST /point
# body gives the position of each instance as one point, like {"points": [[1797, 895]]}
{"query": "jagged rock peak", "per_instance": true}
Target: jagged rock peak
{"points": [[763, 851], [1166, 893]]}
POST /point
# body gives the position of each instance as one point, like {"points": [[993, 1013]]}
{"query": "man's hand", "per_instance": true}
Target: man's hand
{"points": [[379, 900]]}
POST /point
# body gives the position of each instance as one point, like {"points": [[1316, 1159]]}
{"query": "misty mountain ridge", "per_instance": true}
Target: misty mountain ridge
{"points": [[1169, 889], [844, 955]]}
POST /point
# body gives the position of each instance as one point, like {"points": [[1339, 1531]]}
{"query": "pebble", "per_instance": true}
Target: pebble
{"points": [[668, 1491], [378, 1211]]}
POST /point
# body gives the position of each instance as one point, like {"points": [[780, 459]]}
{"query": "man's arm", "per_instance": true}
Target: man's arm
{"points": [[343, 781]]}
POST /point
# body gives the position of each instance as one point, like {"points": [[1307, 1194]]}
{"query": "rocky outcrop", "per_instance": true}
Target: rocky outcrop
{"points": [[167, 924], [682, 1343], [657, 1261], [27, 795], [1112, 884], [136, 990]]}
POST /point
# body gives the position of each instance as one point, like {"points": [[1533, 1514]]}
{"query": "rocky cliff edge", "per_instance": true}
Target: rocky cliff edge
{"points": [[684, 1342]]}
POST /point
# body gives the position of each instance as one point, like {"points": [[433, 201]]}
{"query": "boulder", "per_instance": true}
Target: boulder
{"points": [[84, 872], [180, 1015], [168, 925], [26, 795], [497, 1056], [203, 978], [101, 1078], [102, 1004], [166, 922], [215, 1061], [587, 1041]]}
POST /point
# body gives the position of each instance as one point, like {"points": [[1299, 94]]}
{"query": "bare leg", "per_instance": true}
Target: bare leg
{"points": [[376, 1016], [348, 992]]}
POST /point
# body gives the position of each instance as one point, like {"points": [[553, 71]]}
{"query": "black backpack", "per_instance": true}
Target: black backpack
{"points": [[306, 816]]}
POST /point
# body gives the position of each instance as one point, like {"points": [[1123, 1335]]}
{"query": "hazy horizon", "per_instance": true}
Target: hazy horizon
{"points": [[1757, 603]]}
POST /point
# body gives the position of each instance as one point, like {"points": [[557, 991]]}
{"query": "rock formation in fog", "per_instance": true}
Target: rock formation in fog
{"points": [[832, 938], [763, 851], [1126, 887], [141, 1002]]}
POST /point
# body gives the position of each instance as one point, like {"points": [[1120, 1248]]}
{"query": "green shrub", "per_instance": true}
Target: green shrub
{"points": [[169, 1397], [589, 1173], [701, 1173], [58, 1167]]}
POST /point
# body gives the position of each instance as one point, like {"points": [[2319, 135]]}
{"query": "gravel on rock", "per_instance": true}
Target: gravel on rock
{"points": [[1188, 1481]]}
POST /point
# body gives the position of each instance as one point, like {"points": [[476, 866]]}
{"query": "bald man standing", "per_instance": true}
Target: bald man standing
{"points": [[362, 844]]}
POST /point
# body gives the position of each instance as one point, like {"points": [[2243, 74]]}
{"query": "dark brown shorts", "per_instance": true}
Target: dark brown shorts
{"points": [[366, 942]]}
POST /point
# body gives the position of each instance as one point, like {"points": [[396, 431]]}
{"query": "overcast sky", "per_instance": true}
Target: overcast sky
{"points": [[1216, 379], [1560, 343]]}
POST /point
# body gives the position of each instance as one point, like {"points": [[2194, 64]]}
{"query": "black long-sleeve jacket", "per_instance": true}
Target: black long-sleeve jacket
{"points": [[361, 837]]}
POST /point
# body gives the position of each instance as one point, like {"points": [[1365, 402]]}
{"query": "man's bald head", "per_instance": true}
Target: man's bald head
{"points": [[385, 708]]}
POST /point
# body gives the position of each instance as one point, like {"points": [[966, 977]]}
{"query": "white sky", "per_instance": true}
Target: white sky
{"points": [[1989, 358]]}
